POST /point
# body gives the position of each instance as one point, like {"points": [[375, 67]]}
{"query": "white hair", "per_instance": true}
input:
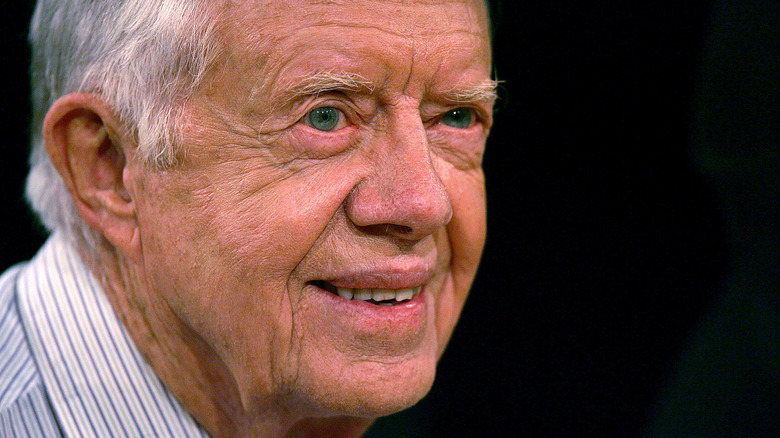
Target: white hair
{"points": [[144, 57]]}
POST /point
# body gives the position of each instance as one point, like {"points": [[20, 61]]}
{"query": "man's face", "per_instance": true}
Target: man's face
{"points": [[334, 150]]}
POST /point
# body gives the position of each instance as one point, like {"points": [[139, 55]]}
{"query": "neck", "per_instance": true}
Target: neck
{"points": [[192, 371]]}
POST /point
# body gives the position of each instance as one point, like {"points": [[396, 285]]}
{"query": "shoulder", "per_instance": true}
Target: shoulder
{"points": [[23, 404], [17, 368]]}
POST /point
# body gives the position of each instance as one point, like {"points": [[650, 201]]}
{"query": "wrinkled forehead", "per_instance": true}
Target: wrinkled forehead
{"points": [[405, 18], [399, 48], [275, 8]]}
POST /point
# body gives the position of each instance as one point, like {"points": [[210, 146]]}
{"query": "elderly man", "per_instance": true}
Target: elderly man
{"points": [[266, 214]]}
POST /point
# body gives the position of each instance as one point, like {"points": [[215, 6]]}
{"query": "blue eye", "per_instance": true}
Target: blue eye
{"points": [[460, 118], [324, 118]]}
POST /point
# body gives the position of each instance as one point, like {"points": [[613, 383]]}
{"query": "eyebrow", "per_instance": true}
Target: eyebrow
{"points": [[330, 81], [324, 82], [483, 91]]}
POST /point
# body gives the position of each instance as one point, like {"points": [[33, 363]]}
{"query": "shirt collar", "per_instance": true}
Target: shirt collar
{"points": [[97, 380]]}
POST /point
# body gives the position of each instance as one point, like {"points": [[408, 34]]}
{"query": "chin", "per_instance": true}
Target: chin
{"points": [[372, 389]]}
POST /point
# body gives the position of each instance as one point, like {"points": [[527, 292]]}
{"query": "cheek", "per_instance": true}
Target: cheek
{"points": [[469, 222], [274, 226], [466, 239], [235, 242], [216, 262]]}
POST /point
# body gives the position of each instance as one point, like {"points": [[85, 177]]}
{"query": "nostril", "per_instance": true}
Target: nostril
{"points": [[403, 229], [398, 230]]}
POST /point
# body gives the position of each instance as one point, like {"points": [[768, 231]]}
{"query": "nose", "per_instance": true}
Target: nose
{"points": [[403, 196]]}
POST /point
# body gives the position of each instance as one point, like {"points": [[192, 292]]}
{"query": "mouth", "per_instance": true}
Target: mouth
{"points": [[379, 297]]}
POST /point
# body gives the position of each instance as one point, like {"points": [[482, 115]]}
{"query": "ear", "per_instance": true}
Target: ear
{"points": [[91, 150]]}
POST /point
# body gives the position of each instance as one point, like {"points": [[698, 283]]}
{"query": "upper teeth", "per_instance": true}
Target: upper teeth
{"points": [[378, 294]]}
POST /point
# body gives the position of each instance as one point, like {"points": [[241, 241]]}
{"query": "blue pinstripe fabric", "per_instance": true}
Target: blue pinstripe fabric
{"points": [[68, 368]]}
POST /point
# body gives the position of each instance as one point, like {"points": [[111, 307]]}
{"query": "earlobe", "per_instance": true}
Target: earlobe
{"points": [[89, 148]]}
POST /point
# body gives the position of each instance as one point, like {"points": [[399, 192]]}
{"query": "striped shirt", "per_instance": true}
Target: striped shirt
{"points": [[68, 367]]}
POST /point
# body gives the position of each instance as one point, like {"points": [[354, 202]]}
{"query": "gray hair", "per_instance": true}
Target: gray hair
{"points": [[144, 57]]}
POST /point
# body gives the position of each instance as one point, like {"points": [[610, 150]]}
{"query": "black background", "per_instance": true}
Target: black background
{"points": [[604, 244]]}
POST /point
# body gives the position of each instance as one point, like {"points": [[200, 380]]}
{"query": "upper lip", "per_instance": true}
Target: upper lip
{"points": [[389, 276]]}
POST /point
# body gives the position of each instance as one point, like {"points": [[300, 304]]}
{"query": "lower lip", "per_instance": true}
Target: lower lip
{"points": [[409, 314]]}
